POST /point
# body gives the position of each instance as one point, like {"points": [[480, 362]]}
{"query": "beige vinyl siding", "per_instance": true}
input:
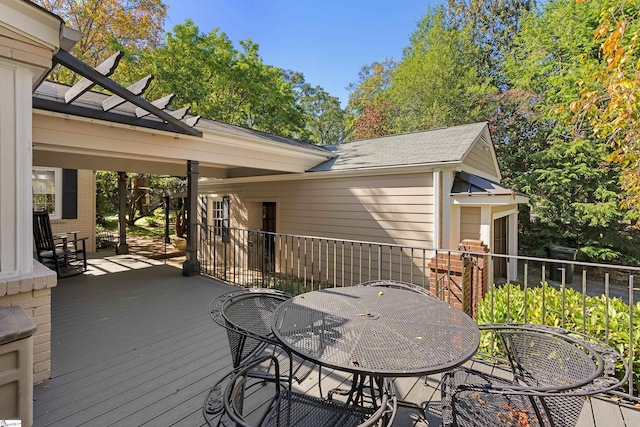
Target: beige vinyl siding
{"points": [[392, 209], [481, 159], [389, 209], [23, 49], [469, 223]]}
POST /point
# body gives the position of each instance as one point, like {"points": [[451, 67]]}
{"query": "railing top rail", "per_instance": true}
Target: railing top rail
{"points": [[435, 250]]}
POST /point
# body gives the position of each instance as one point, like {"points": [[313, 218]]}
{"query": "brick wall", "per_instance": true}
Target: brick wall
{"points": [[85, 224], [33, 293]]}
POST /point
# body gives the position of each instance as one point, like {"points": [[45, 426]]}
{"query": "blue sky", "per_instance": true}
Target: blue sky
{"points": [[328, 41]]}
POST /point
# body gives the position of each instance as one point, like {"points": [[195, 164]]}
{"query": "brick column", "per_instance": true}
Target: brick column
{"points": [[450, 279], [460, 278], [33, 293], [480, 269]]}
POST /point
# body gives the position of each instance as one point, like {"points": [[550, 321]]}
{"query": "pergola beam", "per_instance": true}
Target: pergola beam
{"points": [[74, 64], [137, 88], [105, 69], [160, 103]]}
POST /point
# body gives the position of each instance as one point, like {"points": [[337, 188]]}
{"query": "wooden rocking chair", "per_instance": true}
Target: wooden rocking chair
{"points": [[60, 253]]}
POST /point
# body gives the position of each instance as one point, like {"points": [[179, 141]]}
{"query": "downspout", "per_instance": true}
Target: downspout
{"points": [[437, 201]]}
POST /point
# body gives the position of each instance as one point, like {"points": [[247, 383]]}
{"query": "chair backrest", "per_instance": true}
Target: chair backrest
{"points": [[564, 365], [42, 231], [544, 359], [247, 315]]}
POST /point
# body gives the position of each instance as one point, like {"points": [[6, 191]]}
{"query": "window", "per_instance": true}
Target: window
{"points": [[47, 190], [220, 218]]}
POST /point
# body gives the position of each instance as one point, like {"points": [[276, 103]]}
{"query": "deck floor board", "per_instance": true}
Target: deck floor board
{"points": [[133, 345]]}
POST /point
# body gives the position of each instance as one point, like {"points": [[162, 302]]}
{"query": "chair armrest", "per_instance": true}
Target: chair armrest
{"points": [[231, 390], [498, 385]]}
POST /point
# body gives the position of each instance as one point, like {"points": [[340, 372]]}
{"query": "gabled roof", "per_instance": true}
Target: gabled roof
{"points": [[437, 146]]}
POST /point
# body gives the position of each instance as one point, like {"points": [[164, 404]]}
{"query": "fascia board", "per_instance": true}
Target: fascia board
{"points": [[32, 22], [397, 170], [483, 199], [267, 146]]}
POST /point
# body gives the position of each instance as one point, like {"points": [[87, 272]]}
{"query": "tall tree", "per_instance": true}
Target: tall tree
{"points": [[323, 115], [492, 26], [436, 83], [223, 83], [368, 112], [108, 26], [574, 189]]}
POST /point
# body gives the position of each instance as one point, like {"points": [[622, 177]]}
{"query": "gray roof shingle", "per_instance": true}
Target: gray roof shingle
{"points": [[416, 148]]}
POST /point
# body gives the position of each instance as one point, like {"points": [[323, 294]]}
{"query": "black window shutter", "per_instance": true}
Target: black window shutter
{"points": [[69, 193], [225, 219]]}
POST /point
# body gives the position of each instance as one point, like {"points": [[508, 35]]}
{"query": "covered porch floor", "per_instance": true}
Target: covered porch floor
{"points": [[133, 345]]}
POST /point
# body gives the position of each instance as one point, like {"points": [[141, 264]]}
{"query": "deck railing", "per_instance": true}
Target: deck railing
{"points": [[597, 299]]}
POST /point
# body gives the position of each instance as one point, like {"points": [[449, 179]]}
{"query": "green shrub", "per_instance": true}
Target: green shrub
{"points": [[544, 305]]}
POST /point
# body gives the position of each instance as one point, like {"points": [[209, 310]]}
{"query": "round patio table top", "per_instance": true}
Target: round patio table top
{"points": [[379, 331]]}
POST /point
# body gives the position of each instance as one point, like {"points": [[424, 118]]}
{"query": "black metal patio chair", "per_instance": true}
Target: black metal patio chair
{"points": [[64, 255], [552, 370], [246, 314], [239, 400]]}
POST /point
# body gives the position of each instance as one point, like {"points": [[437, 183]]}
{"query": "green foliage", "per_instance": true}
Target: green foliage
{"points": [[223, 83], [436, 83], [144, 194], [323, 115], [547, 305]]}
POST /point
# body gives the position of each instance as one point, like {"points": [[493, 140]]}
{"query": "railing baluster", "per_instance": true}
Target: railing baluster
{"points": [[379, 262], [563, 272], [584, 301], [526, 283], [632, 342], [606, 307], [351, 268], [544, 285], [369, 274], [342, 256], [360, 264]]}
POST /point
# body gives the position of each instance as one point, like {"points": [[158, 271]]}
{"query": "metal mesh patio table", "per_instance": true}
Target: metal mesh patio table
{"points": [[381, 332]]}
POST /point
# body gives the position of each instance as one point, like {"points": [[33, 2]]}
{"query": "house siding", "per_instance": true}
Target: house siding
{"points": [[22, 49], [85, 224], [469, 223], [386, 209], [392, 209], [481, 160]]}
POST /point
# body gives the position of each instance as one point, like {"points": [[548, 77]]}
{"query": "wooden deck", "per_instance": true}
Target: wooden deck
{"points": [[133, 345]]}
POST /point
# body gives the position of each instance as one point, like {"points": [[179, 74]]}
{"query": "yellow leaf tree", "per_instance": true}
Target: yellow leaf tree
{"points": [[108, 26], [609, 106]]}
